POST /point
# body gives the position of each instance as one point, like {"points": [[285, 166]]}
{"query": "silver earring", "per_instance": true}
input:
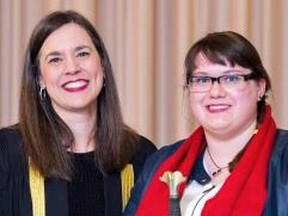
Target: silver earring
{"points": [[259, 98], [42, 93]]}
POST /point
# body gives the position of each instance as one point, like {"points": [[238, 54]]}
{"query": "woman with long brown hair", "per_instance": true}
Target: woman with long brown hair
{"points": [[71, 153]]}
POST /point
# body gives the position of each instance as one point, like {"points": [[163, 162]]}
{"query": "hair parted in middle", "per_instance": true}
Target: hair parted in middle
{"points": [[46, 137]]}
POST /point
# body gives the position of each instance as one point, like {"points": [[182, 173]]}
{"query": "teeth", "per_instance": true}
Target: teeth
{"points": [[76, 84], [218, 107]]}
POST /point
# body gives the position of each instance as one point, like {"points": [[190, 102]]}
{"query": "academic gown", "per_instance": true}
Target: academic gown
{"points": [[15, 198]]}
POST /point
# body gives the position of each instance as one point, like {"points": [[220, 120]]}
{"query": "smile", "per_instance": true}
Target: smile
{"points": [[76, 85], [218, 107]]}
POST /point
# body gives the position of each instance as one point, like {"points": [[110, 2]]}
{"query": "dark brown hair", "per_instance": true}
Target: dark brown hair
{"points": [[231, 47], [45, 135]]}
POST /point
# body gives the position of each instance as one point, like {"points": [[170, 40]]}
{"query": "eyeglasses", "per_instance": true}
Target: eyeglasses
{"points": [[228, 82]]}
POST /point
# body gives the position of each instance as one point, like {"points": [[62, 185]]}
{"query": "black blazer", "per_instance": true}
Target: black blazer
{"points": [[15, 198]]}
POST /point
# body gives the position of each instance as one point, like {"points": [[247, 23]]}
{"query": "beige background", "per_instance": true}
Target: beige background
{"points": [[147, 41]]}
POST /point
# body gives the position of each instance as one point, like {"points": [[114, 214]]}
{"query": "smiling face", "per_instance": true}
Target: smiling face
{"points": [[221, 111], [71, 69]]}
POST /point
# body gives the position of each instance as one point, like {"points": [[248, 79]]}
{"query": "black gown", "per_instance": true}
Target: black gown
{"points": [[15, 199]]}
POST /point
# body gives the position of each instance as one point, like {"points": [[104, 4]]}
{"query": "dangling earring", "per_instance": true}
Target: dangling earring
{"points": [[42, 93], [259, 98], [104, 81]]}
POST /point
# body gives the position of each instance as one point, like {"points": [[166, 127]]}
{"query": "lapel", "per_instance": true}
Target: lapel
{"points": [[56, 195], [112, 193]]}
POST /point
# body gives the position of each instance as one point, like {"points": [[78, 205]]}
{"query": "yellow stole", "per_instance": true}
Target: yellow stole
{"points": [[37, 188], [127, 182]]}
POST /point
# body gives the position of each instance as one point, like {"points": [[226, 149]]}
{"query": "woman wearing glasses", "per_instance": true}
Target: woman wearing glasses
{"points": [[234, 163]]}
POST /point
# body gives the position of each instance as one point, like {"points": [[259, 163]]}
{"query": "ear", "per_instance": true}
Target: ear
{"points": [[262, 88]]}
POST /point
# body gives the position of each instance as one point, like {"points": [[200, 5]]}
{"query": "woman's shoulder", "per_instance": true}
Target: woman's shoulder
{"points": [[146, 144], [279, 158], [10, 130], [152, 156], [281, 143], [162, 154], [13, 169], [278, 176], [146, 148], [10, 139], [11, 154], [169, 149]]}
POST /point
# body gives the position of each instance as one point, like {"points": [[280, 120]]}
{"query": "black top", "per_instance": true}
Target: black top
{"points": [[86, 190], [61, 197]]}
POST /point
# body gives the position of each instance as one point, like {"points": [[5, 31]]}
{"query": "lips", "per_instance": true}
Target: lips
{"points": [[75, 85], [218, 107]]}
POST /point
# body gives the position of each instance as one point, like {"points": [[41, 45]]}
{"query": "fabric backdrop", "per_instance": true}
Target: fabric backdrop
{"points": [[147, 41]]}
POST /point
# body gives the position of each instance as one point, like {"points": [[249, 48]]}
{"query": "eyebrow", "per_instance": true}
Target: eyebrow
{"points": [[203, 73], [57, 53], [82, 47]]}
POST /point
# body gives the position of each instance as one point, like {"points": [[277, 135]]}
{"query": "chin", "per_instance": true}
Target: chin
{"points": [[218, 128]]}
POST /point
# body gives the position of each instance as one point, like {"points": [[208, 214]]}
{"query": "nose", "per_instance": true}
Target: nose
{"points": [[217, 90], [71, 65]]}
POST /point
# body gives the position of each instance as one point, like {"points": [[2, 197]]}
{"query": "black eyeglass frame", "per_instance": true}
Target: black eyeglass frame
{"points": [[252, 75]]}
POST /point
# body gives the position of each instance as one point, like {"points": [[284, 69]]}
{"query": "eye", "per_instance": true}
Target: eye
{"points": [[83, 54], [54, 60], [198, 80], [232, 78]]}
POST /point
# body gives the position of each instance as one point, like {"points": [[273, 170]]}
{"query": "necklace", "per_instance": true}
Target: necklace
{"points": [[219, 169]]}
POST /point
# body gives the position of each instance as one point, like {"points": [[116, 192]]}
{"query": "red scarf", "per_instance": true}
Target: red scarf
{"points": [[243, 193]]}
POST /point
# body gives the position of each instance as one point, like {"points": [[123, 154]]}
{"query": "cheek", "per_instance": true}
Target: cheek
{"points": [[196, 107], [43, 78], [94, 66], [246, 105], [99, 71], [96, 73], [94, 70], [247, 98], [248, 102], [43, 73], [97, 78], [48, 77]]}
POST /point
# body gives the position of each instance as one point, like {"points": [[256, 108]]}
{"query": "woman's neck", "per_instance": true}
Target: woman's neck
{"points": [[82, 125], [225, 150], [83, 132], [221, 152]]}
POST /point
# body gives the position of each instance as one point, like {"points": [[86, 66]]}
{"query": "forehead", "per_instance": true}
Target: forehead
{"points": [[66, 36], [202, 60], [204, 65]]}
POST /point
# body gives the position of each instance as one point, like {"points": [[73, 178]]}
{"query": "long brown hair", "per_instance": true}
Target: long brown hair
{"points": [[45, 135]]}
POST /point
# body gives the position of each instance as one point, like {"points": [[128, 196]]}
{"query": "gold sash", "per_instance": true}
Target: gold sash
{"points": [[37, 188], [127, 182]]}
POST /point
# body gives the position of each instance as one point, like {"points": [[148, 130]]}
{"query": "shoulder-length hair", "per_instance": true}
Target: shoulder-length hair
{"points": [[229, 47], [45, 135]]}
